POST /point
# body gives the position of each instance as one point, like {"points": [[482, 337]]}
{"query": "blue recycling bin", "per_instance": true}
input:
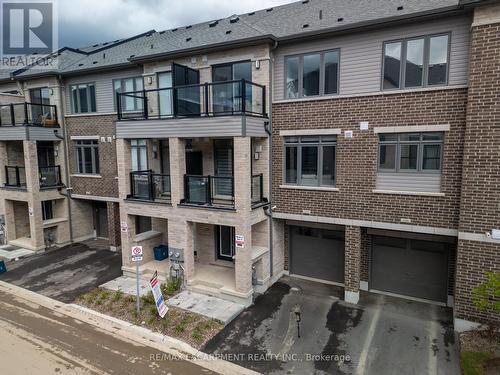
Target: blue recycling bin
{"points": [[3, 269], [161, 252]]}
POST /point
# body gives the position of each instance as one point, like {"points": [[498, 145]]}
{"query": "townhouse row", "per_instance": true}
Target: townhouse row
{"points": [[365, 158]]}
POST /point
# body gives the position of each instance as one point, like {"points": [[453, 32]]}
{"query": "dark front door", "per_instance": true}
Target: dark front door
{"points": [[45, 152], [410, 267], [101, 219], [196, 185], [317, 253], [224, 242], [194, 163]]}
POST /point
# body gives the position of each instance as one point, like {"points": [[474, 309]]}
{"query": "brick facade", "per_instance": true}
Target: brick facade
{"points": [[356, 164], [103, 126], [352, 258]]}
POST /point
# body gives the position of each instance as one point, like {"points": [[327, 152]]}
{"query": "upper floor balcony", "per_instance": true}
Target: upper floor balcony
{"points": [[22, 121], [227, 108]]}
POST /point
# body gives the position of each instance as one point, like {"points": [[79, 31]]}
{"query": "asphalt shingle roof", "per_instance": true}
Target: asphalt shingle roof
{"points": [[282, 22]]}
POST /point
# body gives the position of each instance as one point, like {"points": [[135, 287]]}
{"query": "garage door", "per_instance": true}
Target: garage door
{"points": [[410, 267], [317, 253]]}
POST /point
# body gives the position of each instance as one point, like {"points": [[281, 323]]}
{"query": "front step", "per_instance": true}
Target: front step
{"points": [[206, 290]]}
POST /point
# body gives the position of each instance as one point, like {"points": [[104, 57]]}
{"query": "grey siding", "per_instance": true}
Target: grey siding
{"points": [[224, 126], [104, 88], [21, 133], [361, 54], [411, 182], [254, 127]]}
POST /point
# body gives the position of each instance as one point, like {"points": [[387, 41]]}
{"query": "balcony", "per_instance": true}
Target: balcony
{"points": [[149, 186], [22, 121], [258, 190], [50, 176], [229, 108], [211, 191], [15, 177]]}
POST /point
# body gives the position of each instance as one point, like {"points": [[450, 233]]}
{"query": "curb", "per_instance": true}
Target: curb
{"points": [[130, 332]]}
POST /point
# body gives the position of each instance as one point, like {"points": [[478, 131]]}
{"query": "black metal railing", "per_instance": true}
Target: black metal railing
{"points": [[50, 176], [15, 176], [28, 114], [258, 189], [146, 185], [208, 99], [209, 190]]}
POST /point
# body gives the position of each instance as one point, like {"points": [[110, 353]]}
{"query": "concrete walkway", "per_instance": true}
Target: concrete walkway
{"points": [[127, 285], [10, 252]]}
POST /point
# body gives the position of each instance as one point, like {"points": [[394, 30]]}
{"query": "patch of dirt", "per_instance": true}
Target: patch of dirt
{"points": [[184, 325], [480, 341]]}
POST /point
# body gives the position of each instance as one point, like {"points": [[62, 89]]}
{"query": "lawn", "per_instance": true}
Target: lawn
{"points": [[187, 326]]}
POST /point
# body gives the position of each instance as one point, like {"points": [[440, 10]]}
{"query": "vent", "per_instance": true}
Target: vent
{"points": [[189, 26], [94, 62], [95, 45], [251, 13], [320, 14], [162, 32], [152, 46], [340, 19], [81, 64], [105, 44], [213, 24], [305, 26], [234, 19], [305, 1], [269, 10], [131, 56], [188, 39], [228, 32], [103, 56], [174, 30], [400, 7]]}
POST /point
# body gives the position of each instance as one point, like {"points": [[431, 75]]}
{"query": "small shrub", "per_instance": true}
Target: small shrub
{"points": [[171, 287], [117, 296], [148, 299], [486, 296], [197, 335]]}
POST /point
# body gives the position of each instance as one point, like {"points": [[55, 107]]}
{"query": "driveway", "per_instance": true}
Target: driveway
{"points": [[380, 335], [64, 274]]}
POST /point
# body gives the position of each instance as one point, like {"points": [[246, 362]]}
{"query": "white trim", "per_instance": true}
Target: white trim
{"points": [[95, 198], [412, 128], [368, 224], [392, 92], [407, 297], [146, 235], [317, 188], [315, 280], [478, 237], [84, 137], [89, 114], [86, 175], [421, 193], [296, 132]]}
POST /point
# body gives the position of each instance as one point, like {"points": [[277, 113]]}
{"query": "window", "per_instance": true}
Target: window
{"points": [[139, 155], [47, 210], [87, 156], [142, 224], [83, 98], [310, 161], [312, 74], [129, 103], [410, 152], [416, 62]]}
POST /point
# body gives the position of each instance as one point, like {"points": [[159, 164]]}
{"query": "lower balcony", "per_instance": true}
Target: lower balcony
{"points": [[49, 177], [210, 191], [150, 186]]}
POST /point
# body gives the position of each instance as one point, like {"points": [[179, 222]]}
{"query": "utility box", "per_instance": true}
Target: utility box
{"points": [[160, 252], [3, 269]]}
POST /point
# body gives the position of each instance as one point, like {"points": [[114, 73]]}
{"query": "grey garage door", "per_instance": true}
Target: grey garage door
{"points": [[410, 267], [317, 253]]}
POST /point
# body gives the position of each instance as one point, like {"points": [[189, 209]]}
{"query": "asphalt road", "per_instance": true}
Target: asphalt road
{"points": [[36, 340]]}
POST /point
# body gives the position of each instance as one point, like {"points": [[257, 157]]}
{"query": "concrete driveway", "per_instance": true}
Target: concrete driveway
{"points": [[381, 335], [64, 274]]}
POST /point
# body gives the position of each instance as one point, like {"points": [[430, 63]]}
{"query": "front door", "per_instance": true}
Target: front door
{"points": [[194, 163], [101, 219], [225, 242]]}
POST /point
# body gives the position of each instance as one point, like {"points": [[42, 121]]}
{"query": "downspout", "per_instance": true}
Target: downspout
{"points": [[65, 147], [269, 129]]}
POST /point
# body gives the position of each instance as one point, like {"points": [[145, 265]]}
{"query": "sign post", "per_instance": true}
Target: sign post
{"points": [[137, 257], [160, 302]]}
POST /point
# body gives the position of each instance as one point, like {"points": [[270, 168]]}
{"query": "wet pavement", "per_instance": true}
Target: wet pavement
{"points": [[65, 273], [380, 335]]}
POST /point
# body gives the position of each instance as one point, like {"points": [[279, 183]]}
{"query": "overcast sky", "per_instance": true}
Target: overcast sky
{"points": [[85, 22]]}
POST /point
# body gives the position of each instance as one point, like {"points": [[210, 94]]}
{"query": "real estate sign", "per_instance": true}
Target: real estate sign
{"points": [[160, 302]]}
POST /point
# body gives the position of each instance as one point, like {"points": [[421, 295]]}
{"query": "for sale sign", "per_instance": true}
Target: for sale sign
{"points": [[160, 302]]}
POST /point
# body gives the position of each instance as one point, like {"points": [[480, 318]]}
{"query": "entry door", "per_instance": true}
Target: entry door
{"points": [[225, 242], [45, 152], [223, 150], [197, 184], [194, 163], [101, 219], [227, 96]]}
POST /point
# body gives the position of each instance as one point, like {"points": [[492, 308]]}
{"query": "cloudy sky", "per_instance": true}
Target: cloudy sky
{"points": [[85, 22]]}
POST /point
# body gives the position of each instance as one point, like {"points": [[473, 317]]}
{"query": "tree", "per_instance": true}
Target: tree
{"points": [[486, 296]]}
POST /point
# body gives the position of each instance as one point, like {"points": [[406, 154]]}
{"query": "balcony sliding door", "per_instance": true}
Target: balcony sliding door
{"points": [[227, 97], [223, 158]]}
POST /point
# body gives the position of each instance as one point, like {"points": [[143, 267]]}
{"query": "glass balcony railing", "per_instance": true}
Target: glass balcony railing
{"points": [[209, 190], [15, 176], [28, 114], [258, 189], [50, 176], [149, 186], [208, 99]]}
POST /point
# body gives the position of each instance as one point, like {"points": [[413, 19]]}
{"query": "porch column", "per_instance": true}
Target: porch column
{"points": [[352, 263], [124, 165], [113, 226], [180, 238], [10, 223], [31, 166], [33, 187], [4, 160], [177, 152], [242, 173], [243, 259], [128, 237]]}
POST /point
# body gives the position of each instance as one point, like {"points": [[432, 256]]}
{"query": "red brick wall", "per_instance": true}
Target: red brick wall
{"points": [[352, 258], [114, 231], [102, 126], [357, 157]]}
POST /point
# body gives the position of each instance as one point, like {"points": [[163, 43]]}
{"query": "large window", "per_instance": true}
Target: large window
{"points": [[129, 103], [47, 210], [410, 152], [83, 98], [310, 161], [312, 74], [87, 156], [139, 154], [416, 62]]}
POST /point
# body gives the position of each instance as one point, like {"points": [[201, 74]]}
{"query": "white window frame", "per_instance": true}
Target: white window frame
{"points": [[94, 146]]}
